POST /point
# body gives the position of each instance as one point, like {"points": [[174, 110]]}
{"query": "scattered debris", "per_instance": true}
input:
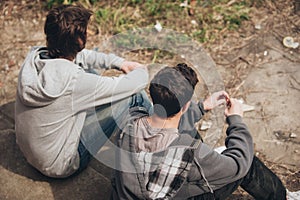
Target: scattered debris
{"points": [[6, 67], [246, 108], [257, 26], [205, 125], [289, 42], [184, 4], [266, 53], [158, 26], [293, 135], [194, 22], [279, 134]]}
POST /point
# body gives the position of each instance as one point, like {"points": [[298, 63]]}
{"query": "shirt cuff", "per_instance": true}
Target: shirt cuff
{"points": [[234, 119], [118, 63]]}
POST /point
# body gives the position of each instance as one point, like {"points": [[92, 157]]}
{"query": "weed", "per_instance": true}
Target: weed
{"points": [[210, 16], [51, 3]]}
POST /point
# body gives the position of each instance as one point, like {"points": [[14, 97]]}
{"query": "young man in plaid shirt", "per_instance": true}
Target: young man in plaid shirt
{"points": [[158, 158]]}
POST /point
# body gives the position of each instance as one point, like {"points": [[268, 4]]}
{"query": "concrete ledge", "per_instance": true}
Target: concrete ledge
{"points": [[21, 181]]}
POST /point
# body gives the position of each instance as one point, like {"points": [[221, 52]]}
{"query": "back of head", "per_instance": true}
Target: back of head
{"points": [[171, 88], [65, 30]]}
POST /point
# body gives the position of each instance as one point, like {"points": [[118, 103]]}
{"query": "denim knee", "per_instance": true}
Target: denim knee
{"points": [[140, 99]]}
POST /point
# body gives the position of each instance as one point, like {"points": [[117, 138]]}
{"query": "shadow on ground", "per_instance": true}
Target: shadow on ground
{"points": [[21, 181]]}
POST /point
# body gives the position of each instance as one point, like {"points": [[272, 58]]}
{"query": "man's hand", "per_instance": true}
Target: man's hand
{"points": [[215, 99], [128, 66], [234, 108]]}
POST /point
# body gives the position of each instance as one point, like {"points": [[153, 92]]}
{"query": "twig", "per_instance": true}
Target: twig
{"points": [[292, 85], [264, 120], [238, 87], [262, 91], [244, 60], [231, 2], [264, 117], [295, 79]]}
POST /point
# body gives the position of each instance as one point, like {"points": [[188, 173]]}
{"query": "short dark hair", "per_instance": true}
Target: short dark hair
{"points": [[64, 27], [171, 88]]}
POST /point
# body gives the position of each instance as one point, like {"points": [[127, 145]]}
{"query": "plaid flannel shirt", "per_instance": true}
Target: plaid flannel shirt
{"points": [[160, 174], [166, 171]]}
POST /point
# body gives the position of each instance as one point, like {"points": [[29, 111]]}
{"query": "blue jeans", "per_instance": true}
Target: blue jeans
{"points": [[260, 182], [102, 121]]}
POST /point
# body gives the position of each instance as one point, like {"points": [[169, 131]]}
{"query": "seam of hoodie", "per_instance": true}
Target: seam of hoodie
{"points": [[203, 175], [74, 80]]}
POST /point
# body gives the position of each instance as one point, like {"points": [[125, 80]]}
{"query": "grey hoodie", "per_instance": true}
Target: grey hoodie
{"points": [[52, 98]]}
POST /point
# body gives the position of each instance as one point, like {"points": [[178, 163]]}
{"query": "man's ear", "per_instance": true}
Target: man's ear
{"points": [[186, 107]]}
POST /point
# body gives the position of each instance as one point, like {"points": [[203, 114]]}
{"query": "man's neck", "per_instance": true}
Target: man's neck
{"points": [[158, 122], [70, 58]]}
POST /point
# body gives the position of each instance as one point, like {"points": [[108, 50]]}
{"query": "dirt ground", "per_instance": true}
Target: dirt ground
{"points": [[253, 63]]}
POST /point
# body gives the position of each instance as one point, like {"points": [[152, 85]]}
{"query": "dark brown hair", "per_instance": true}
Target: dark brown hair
{"points": [[171, 88], [65, 30]]}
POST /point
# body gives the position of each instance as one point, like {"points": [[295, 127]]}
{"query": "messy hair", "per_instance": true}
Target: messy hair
{"points": [[65, 30], [171, 88]]}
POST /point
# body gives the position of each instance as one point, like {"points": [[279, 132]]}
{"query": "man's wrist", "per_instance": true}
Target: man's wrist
{"points": [[234, 118], [118, 64], [205, 107], [201, 107]]}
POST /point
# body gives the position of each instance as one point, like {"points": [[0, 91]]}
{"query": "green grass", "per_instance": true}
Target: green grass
{"points": [[211, 16]]}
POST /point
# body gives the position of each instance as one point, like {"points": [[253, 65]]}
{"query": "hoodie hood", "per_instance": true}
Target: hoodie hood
{"points": [[42, 79]]}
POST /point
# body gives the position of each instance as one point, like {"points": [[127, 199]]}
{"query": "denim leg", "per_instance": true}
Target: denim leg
{"points": [[101, 122], [84, 156], [260, 182], [220, 194], [141, 99]]}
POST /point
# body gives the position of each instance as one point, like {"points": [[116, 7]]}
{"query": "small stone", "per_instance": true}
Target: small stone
{"points": [[158, 26], [6, 67], [293, 135], [194, 22], [257, 26]]}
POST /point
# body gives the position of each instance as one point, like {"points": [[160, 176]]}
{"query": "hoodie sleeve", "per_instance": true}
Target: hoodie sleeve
{"points": [[93, 59], [92, 90], [234, 162], [190, 117]]}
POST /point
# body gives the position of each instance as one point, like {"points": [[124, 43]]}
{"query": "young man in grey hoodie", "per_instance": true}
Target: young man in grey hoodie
{"points": [[158, 158], [61, 110]]}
